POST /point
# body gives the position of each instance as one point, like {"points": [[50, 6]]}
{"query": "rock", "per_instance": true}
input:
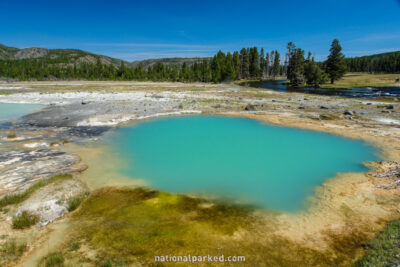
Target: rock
{"points": [[323, 107], [348, 112], [385, 111], [324, 117], [301, 107], [250, 107], [385, 106], [349, 117]]}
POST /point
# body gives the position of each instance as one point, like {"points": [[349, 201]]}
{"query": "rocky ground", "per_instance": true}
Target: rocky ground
{"points": [[80, 112]]}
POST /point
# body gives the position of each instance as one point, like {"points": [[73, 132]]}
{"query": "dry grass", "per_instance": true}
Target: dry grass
{"points": [[354, 80]]}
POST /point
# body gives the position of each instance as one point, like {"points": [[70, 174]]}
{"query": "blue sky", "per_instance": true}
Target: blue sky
{"points": [[135, 30]]}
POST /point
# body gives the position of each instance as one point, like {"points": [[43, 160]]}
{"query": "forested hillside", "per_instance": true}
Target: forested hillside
{"points": [[248, 63], [380, 63], [46, 64]]}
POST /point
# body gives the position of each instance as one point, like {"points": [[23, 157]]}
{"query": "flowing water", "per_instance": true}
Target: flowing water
{"points": [[236, 159], [367, 92]]}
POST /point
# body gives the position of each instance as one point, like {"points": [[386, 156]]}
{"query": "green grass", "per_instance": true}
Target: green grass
{"points": [[55, 259], [75, 202], [384, 250], [11, 251], [20, 197], [11, 136], [24, 220], [75, 246]]}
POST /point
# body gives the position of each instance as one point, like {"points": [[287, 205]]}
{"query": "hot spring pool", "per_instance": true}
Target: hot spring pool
{"points": [[236, 159]]}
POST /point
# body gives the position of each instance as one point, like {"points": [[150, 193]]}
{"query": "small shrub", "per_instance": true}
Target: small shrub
{"points": [[180, 106], [25, 220], [54, 143], [74, 202], [65, 141], [55, 259], [75, 246], [11, 136]]}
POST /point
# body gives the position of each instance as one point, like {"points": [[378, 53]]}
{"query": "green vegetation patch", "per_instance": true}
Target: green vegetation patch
{"points": [[384, 250], [121, 226], [20, 197], [74, 202], [130, 223], [55, 259], [24, 220], [11, 251], [11, 136]]}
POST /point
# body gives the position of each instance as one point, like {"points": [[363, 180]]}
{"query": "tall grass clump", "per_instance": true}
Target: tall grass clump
{"points": [[20, 197], [55, 259], [24, 220]]}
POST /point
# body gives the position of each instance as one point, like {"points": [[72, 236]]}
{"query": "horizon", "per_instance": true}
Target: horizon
{"points": [[132, 30]]}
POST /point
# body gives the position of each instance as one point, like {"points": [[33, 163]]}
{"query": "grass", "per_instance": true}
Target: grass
{"points": [[75, 202], [354, 80], [55, 259], [11, 251], [11, 136], [20, 197], [384, 250], [75, 246], [24, 220]]}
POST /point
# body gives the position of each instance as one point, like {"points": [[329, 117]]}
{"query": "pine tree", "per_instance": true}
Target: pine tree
{"points": [[335, 64], [295, 72], [262, 63], [245, 63], [313, 74], [277, 64], [236, 64], [229, 69], [254, 65], [267, 64]]}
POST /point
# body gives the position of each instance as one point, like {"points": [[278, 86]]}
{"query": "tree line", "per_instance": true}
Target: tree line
{"points": [[248, 63], [381, 63]]}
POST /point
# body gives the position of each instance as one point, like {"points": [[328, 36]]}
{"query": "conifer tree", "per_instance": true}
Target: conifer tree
{"points": [[245, 63], [277, 64], [335, 64]]}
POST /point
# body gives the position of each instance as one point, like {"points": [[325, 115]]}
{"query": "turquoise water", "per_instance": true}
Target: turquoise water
{"points": [[237, 159], [14, 111]]}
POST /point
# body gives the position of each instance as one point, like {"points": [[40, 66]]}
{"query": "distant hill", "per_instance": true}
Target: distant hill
{"points": [[378, 63], [167, 61], [72, 56], [66, 56]]}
